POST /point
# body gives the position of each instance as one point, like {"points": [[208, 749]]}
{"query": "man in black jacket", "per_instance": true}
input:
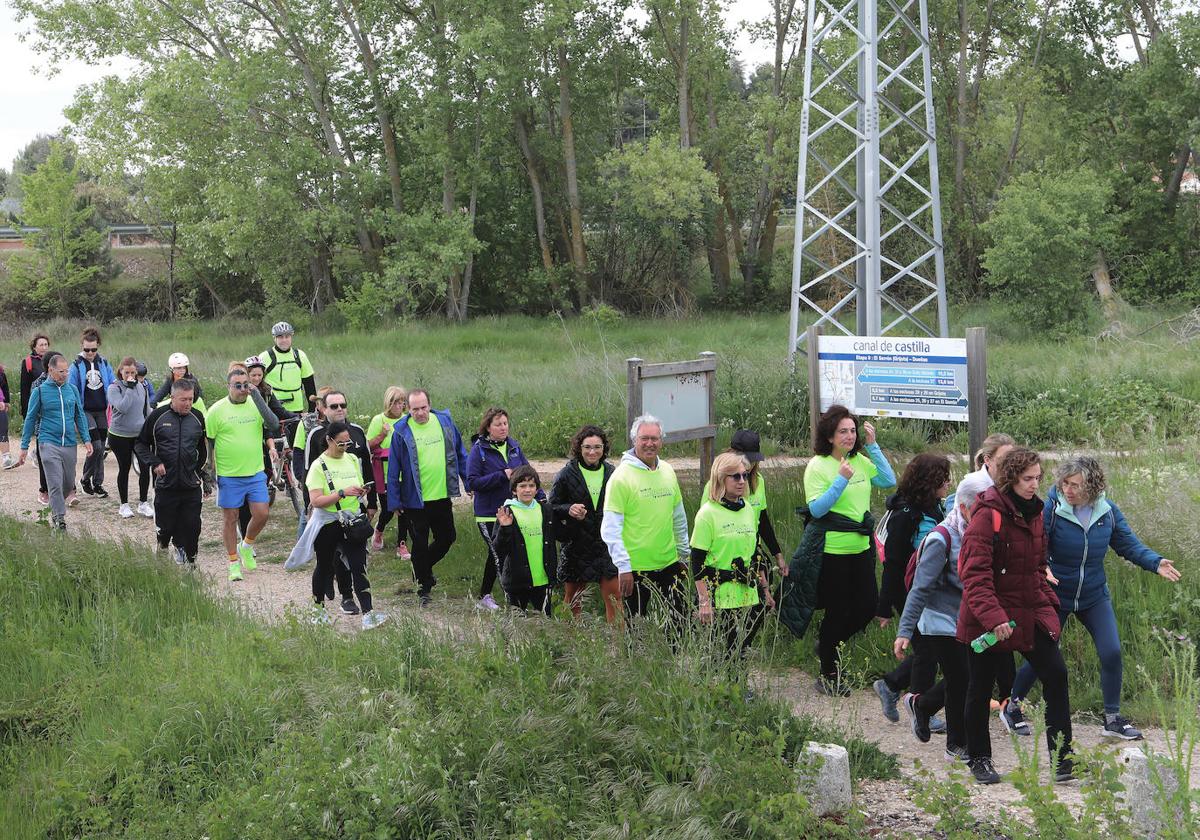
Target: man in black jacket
{"points": [[172, 443]]}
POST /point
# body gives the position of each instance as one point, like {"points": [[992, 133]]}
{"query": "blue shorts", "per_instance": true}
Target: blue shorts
{"points": [[233, 491]]}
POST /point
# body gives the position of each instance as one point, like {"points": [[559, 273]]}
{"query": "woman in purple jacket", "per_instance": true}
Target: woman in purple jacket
{"points": [[493, 457]]}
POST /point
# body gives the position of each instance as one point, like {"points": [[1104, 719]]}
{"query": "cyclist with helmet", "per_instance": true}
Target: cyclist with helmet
{"points": [[179, 365], [288, 371]]}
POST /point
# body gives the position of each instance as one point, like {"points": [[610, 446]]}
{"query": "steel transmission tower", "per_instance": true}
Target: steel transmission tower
{"points": [[868, 230]]}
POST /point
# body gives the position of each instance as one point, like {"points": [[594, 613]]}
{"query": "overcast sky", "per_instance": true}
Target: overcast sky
{"points": [[34, 100]]}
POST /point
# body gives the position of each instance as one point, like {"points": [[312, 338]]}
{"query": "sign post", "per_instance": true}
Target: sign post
{"points": [[682, 395], [894, 376]]}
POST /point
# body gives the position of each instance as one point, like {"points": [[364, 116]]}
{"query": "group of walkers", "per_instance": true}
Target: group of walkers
{"points": [[973, 575]]}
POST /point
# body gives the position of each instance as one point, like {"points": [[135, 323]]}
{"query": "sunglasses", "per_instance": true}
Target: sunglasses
{"points": [[91, 349], [241, 386], [335, 405], [739, 476], [344, 444]]}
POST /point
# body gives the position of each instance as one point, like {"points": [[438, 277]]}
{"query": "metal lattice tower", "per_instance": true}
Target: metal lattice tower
{"points": [[868, 206]]}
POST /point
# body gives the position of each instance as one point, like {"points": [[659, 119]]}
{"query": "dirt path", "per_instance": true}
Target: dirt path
{"points": [[271, 593]]}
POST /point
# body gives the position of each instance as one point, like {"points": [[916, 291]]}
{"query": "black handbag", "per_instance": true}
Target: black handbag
{"points": [[356, 525]]}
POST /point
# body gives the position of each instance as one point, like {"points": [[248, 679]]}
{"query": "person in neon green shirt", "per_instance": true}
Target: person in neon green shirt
{"points": [[379, 438], [335, 485], [288, 371], [525, 544], [838, 480], [645, 526], [729, 577], [234, 427]]}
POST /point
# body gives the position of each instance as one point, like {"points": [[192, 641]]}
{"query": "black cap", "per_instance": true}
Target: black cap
{"points": [[141, 368], [746, 442]]}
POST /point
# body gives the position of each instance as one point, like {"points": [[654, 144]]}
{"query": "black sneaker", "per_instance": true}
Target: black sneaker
{"points": [[983, 770], [329, 592], [1065, 772], [99, 491], [424, 599], [918, 720], [1123, 728], [349, 607], [1013, 720], [957, 754], [832, 687], [85, 487]]}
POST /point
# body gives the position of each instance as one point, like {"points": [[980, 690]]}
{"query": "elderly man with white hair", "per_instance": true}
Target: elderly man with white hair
{"points": [[644, 524]]}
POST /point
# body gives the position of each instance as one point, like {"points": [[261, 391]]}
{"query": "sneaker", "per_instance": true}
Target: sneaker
{"points": [[319, 616], [44, 498], [831, 688], [983, 770], [888, 700], [936, 725], [424, 599], [1014, 722], [126, 511], [957, 754], [1121, 727], [181, 558], [1065, 771], [8, 462], [402, 551], [86, 487], [235, 570], [487, 602], [377, 541], [99, 492], [918, 721], [146, 509], [246, 553], [349, 607], [58, 525], [373, 619], [71, 500]]}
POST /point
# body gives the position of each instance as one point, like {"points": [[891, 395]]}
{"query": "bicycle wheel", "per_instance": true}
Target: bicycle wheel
{"points": [[295, 495]]}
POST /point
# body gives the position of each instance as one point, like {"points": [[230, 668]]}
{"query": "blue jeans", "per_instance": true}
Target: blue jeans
{"points": [[1101, 623]]}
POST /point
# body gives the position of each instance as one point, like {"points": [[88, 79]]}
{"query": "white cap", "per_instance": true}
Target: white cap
{"points": [[177, 360]]}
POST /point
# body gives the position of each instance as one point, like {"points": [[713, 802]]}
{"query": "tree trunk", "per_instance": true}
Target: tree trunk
{"points": [[1103, 281], [1014, 143], [578, 251], [533, 171], [1181, 164], [681, 81], [960, 116]]}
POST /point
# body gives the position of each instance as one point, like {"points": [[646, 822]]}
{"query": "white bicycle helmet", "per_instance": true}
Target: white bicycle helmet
{"points": [[177, 360], [255, 361], [282, 328]]}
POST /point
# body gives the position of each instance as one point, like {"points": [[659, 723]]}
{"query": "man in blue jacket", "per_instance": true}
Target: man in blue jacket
{"points": [[56, 411], [427, 459], [91, 374]]}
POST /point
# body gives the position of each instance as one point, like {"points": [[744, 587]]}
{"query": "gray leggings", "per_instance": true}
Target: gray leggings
{"points": [[59, 463]]}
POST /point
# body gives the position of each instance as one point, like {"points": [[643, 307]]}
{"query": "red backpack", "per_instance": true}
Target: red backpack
{"points": [[910, 571]]}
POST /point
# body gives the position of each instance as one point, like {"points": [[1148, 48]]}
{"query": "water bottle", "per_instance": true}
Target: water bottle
{"points": [[987, 640]]}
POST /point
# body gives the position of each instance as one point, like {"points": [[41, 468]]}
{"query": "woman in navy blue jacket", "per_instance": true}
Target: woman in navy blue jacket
{"points": [[493, 457], [1081, 526]]}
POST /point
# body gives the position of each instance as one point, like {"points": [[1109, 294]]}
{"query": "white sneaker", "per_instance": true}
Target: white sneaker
{"points": [[8, 462], [146, 509], [373, 619], [319, 616], [487, 602], [126, 512], [180, 556]]}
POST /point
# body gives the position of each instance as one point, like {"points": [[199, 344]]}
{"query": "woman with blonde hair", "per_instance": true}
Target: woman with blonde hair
{"points": [[731, 584], [379, 438]]}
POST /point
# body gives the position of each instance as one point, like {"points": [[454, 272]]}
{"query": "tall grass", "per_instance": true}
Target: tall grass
{"points": [[135, 706]]}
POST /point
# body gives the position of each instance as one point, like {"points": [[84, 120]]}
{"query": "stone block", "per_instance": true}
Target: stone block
{"points": [[825, 778], [1139, 796]]}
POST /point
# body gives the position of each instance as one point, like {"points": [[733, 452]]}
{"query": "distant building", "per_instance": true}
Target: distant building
{"points": [[119, 236]]}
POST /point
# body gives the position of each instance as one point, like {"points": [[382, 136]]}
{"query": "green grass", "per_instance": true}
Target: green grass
{"points": [[135, 706]]}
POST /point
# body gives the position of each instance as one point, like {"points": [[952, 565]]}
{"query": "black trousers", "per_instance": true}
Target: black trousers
{"points": [[847, 591], [333, 550], [487, 530], [915, 672], [436, 519], [950, 655], [385, 516], [537, 597], [177, 518], [1048, 664], [122, 447], [41, 475], [668, 585], [739, 626], [93, 465]]}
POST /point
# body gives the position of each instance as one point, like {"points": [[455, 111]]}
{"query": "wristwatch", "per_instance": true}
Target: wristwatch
{"points": [[341, 494]]}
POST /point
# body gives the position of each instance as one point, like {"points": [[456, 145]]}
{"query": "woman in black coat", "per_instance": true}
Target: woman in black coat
{"points": [[577, 502]]}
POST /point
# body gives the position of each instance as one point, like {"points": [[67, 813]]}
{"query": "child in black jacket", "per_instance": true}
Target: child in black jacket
{"points": [[525, 544]]}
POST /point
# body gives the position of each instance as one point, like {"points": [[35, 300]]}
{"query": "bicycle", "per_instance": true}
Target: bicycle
{"points": [[281, 459]]}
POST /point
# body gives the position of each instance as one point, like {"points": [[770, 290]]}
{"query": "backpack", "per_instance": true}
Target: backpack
{"points": [[275, 360], [910, 570]]}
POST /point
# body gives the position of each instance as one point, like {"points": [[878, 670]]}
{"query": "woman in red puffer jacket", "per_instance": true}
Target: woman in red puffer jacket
{"points": [[1002, 566]]}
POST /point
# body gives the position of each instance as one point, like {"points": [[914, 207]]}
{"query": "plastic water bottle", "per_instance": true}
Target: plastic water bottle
{"points": [[987, 640]]}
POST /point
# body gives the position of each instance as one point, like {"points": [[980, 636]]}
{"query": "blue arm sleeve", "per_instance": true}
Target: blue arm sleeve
{"points": [[885, 477], [820, 506], [1125, 543]]}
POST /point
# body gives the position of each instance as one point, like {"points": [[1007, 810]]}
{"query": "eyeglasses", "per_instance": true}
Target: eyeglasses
{"points": [[91, 349], [739, 476], [344, 444], [240, 386], [335, 405]]}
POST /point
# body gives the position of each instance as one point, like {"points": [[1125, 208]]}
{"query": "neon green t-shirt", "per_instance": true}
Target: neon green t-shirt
{"points": [[236, 430], [758, 498], [595, 482], [431, 458], [726, 534], [376, 426], [529, 522], [647, 500], [345, 472], [854, 502], [287, 377]]}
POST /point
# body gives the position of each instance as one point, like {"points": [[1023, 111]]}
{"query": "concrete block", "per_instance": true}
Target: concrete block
{"points": [[1139, 796], [825, 777]]}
